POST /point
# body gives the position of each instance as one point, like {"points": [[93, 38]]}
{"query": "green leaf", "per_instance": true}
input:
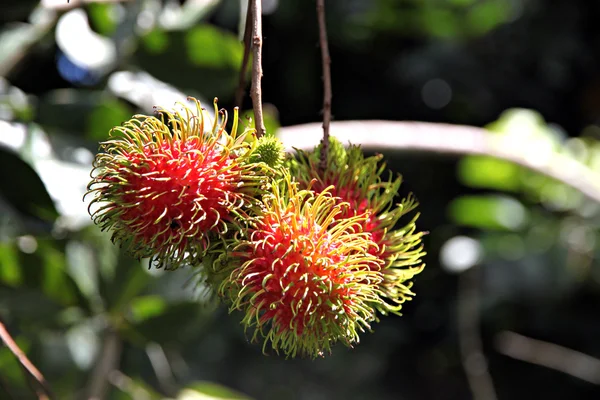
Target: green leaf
{"points": [[156, 41], [204, 60], [10, 270], [210, 47], [104, 117], [101, 17], [489, 212], [490, 173], [209, 391], [145, 307], [485, 15], [440, 22], [23, 189]]}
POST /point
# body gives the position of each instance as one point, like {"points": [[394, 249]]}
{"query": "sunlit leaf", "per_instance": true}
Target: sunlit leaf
{"points": [[145, 307], [155, 41], [489, 212], [10, 270], [203, 59], [210, 47], [487, 172], [104, 117], [101, 17]]}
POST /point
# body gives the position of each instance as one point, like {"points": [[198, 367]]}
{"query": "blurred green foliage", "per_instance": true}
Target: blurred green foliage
{"points": [[437, 18], [66, 291]]}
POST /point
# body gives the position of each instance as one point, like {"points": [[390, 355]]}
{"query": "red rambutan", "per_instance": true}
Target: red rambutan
{"points": [[356, 180], [306, 278], [164, 186]]}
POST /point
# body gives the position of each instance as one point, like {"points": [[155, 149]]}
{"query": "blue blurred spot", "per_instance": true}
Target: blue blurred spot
{"points": [[74, 73]]}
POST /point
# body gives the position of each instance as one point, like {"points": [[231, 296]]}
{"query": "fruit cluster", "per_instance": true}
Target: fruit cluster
{"points": [[311, 256]]}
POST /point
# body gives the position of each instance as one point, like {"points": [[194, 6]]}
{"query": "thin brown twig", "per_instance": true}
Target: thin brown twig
{"points": [[255, 90], [469, 337], [44, 391], [449, 139], [326, 61], [549, 355], [33, 385], [239, 94]]}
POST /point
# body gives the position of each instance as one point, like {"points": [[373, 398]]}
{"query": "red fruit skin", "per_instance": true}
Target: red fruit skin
{"points": [[180, 188], [172, 187], [306, 278], [359, 205], [293, 293]]}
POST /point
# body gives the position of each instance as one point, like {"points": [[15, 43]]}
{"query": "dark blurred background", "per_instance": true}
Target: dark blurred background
{"points": [[510, 252]]}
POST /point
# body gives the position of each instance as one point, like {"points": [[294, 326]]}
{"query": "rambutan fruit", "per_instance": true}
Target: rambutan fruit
{"points": [[304, 277], [167, 186], [357, 180]]}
